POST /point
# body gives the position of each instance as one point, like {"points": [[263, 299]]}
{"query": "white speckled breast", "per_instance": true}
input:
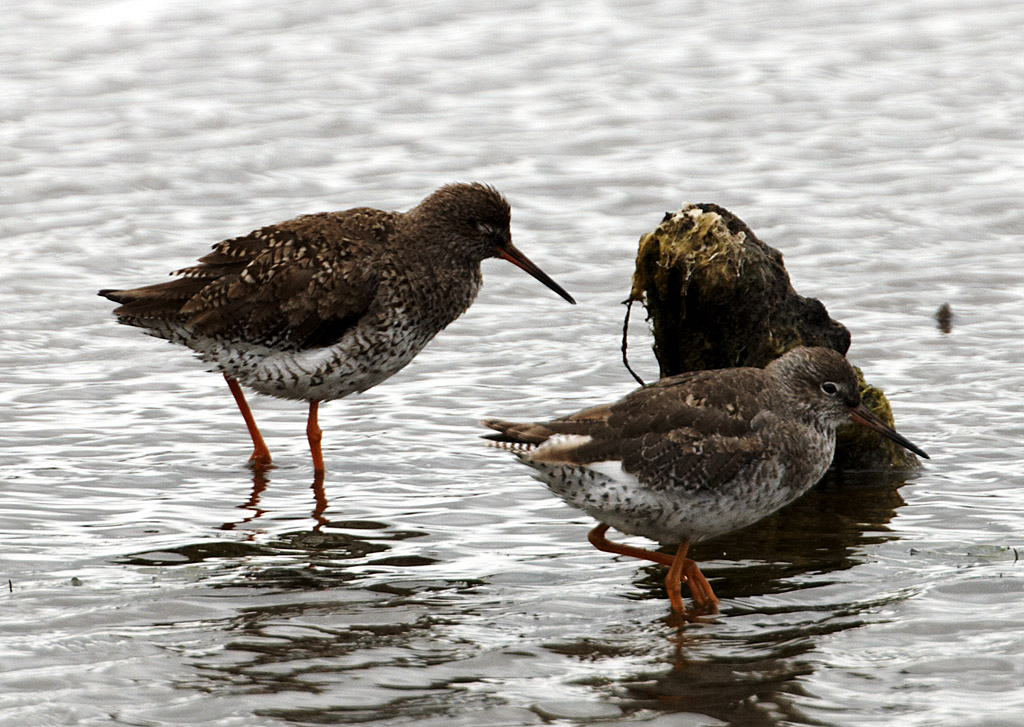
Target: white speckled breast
{"points": [[364, 357], [663, 513]]}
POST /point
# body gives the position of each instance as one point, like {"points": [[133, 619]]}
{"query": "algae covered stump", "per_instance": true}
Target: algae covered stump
{"points": [[717, 297]]}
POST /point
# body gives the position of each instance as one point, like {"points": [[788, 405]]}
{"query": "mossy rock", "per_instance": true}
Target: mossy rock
{"points": [[718, 297]]}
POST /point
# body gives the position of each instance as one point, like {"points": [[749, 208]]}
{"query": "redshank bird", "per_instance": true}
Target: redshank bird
{"points": [[697, 455], [325, 305]]}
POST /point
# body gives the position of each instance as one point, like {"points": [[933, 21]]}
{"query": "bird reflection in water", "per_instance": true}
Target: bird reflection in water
{"points": [[259, 484]]}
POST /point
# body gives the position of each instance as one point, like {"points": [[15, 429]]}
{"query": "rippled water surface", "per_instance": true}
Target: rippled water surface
{"points": [[149, 579]]}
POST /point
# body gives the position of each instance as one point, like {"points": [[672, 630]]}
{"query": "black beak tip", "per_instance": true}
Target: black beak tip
{"points": [[864, 417], [511, 254]]}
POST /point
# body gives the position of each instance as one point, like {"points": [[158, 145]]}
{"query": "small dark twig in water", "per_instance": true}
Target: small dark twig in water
{"points": [[625, 336]]}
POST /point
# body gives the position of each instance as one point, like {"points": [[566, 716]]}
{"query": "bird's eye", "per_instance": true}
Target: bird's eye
{"points": [[829, 388], [486, 229]]}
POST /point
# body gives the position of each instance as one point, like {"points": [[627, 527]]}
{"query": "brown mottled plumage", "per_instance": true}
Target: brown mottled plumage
{"points": [[324, 305], [697, 455]]}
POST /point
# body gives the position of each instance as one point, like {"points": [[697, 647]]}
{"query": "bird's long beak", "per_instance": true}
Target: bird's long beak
{"points": [[510, 252], [862, 416]]}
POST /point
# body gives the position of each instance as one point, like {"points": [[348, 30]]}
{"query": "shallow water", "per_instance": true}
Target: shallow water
{"points": [[154, 581]]}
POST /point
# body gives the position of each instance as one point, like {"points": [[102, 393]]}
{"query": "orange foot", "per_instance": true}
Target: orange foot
{"points": [[680, 568]]}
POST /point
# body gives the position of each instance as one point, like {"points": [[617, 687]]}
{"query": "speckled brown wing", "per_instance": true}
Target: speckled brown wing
{"points": [[295, 285], [713, 402], [684, 459], [692, 430], [720, 401]]}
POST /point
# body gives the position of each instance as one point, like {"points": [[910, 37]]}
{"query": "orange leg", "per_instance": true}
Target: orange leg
{"points": [[700, 588], [599, 541], [260, 455], [315, 434], [680, 567], [674, 579], [685, 569]]}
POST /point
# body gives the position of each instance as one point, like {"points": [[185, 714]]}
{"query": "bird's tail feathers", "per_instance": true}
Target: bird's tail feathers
{"points": [[516, 435]]}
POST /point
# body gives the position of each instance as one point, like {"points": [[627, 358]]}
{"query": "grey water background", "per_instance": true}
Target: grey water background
{"points": [[149, 579]]}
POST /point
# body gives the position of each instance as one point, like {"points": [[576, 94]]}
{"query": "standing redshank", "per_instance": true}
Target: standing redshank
{"points": [[697, 455], [324, 305]]}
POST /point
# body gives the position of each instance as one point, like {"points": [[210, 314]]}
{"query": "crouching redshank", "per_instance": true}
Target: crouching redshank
{"points": [[697, 455], [325, 305]]}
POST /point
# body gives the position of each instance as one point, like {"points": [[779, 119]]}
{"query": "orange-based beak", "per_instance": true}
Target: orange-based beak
{"points": [[509, 252], [862, 416]]}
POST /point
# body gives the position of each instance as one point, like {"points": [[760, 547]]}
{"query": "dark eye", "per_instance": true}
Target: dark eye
{"points": [[829, 388]]}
